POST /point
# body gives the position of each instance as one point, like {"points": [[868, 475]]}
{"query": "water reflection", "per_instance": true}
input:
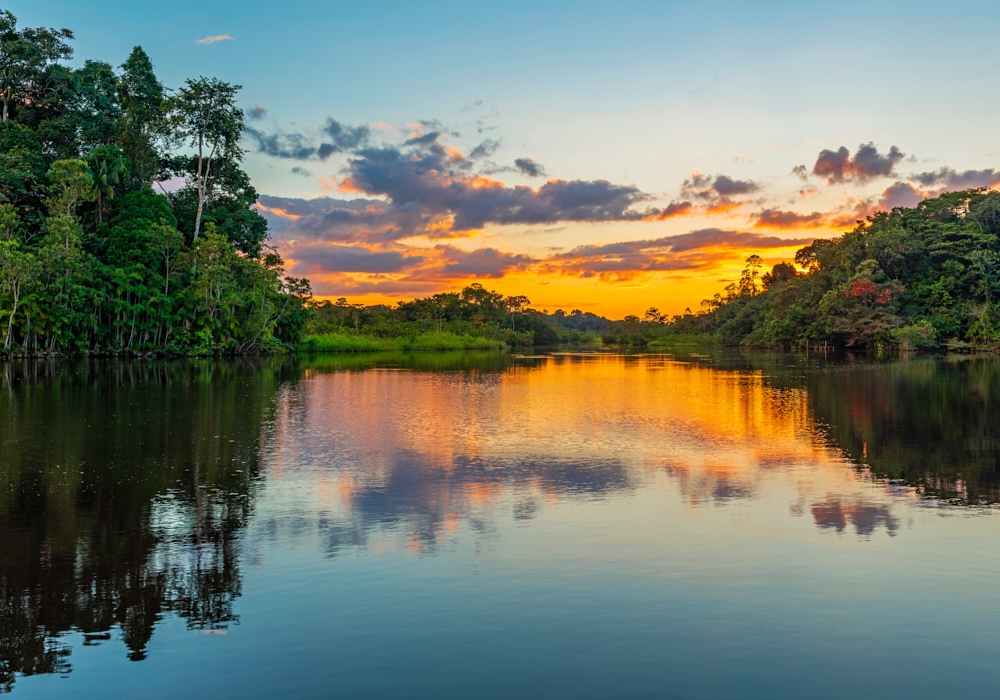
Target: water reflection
{"points": [[404, 461], [124, 489], [134, 491], [932, 424]]}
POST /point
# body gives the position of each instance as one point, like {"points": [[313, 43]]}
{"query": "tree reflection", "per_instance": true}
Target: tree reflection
{"points": [[125, 486], [931, 424], [928, 422]]}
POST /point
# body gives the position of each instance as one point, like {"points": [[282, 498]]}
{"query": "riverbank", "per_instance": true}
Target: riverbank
{"points": [[344, 342]]}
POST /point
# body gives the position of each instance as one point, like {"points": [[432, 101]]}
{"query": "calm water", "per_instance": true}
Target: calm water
{"points": [[702, 526]]}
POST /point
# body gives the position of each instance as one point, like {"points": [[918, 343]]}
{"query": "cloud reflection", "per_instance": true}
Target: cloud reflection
{"points": [[834, 513], [408, 460]]}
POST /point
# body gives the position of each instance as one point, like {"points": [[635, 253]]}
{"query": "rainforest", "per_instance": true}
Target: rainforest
{"points": [[93, 260]]}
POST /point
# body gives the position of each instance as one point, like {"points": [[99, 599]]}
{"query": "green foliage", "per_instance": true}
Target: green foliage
{"points": [[473, 318], [240, 224], [91, 259], [205, 116], [143, 122], [345, 342], [922, 277]]}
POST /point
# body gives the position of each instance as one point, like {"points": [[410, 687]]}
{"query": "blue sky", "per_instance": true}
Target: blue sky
{"points": [[640, 94]]}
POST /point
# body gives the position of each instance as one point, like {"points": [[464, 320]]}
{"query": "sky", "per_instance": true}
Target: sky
{"points": [[602, 156]]}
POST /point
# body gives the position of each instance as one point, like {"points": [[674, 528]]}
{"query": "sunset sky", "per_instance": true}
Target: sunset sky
{"points": [[601, 156]]}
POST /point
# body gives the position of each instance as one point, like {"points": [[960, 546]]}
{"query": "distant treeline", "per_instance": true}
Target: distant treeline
{"points": [[92, 259], [450, 320], [921, 277]]}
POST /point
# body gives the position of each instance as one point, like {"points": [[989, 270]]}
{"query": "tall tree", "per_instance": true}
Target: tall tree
{"points": [[205, 115], [24, 55], [143, 120]]}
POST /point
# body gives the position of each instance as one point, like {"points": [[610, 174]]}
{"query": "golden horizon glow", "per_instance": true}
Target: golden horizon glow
{"points": [[469, 440]]}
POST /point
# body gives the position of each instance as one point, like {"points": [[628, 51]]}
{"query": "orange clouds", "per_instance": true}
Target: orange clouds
{"points": [[277, 212], [672, 210], [396, 197]]}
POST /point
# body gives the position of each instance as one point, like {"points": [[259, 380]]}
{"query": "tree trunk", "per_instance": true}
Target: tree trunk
{"points": [[201, 193], [10, 321]]}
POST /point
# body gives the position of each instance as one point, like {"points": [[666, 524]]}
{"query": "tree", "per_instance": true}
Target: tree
{"points": [[205, 115], [168, 244], [781, 272], [72, 183], [143, 121], [748, 281], [95, 110], [106, 167], [9, 224], [24, 55], [516, 304], [17, 270], [652, 316]]}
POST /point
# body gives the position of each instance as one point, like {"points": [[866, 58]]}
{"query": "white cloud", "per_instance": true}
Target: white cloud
{"points": [[213, 39]]}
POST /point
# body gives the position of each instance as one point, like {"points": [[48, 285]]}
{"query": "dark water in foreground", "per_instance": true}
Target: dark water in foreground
{"points": [[467, 525]]}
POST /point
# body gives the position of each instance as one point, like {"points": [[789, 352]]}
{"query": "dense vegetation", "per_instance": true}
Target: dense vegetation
{"points": [[921, 277], [473, 318], [92, 259]]}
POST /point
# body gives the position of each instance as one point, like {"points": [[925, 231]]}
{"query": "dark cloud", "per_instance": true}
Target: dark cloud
{"points": [[481, 263], [282, 145], [342, 220], [322, 257], [256, 112], [529, 167], [428, 177], [675, 209], [801, 172], [901, 194], [777, 219], [700, 249], [713, 238], [485, 149], [346, 138], [717, 192], [423, 139], [953, 180], [346, 285], [728, 187], [298, 146], [867, 164], [442, 262], [301, 171]]}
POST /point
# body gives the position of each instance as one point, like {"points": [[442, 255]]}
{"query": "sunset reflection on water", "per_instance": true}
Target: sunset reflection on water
{"points": [[422, 455], [721, 524]]}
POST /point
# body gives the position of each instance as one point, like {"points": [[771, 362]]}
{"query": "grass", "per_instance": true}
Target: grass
{"points": [[680, 339], [343, 342]]}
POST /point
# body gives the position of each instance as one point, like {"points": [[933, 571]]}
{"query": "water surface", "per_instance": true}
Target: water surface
{"points": [[481, 525]]}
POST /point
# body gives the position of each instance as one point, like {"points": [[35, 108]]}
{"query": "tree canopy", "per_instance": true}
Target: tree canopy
{"points": [[921, 277], [93, 260]]}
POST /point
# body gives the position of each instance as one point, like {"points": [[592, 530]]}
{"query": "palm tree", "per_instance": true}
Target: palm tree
{"points": [[106, 176]]}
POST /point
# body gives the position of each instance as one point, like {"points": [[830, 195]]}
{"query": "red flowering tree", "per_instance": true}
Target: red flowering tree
{"points": [[864, 309]]}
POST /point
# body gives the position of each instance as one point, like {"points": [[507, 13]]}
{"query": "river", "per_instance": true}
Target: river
{"points": [[714, 524]]}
